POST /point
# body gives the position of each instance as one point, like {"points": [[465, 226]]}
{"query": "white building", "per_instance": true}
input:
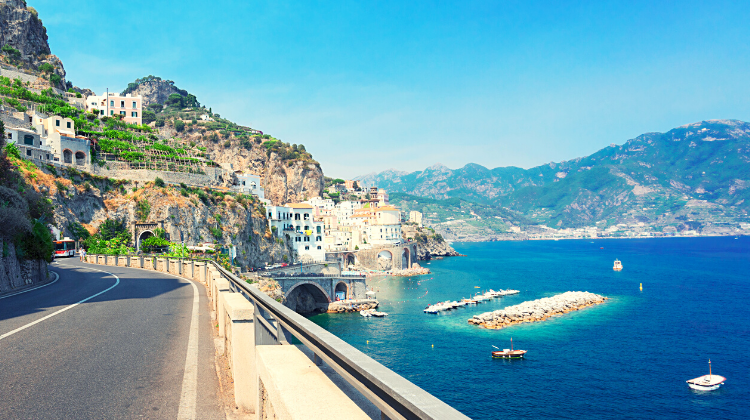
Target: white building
{"points": [[129, 106], [416, 217], [248, 183], [297, 221]]}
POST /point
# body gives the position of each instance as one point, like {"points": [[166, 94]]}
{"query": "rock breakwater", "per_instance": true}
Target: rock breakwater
{"points": [[537, 310]]}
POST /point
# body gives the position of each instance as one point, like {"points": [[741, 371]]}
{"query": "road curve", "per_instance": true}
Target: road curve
{"points": [[108, 342]]}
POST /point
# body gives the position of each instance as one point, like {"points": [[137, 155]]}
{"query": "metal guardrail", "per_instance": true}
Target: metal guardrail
{"points": [[396, 397]]}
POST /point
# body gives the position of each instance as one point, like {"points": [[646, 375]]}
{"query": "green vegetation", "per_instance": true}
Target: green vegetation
{"points": [[112, 238], [142, 210]]}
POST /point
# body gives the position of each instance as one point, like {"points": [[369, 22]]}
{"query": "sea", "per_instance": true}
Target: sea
{"points": [[627, 358]]}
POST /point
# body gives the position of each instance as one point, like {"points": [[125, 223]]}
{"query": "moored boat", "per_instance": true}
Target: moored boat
{"points": [[708, 382], [617, 266], [508, 353]]}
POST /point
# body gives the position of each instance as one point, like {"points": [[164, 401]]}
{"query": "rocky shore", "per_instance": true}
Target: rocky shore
{"points": [[537, 310], [415, 270], [340, 307]]}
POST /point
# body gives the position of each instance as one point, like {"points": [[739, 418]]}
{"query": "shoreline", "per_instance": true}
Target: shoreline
{"points": [[598, 237]]}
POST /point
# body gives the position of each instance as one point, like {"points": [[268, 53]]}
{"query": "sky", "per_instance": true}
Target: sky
{"points": [[372, 85]]}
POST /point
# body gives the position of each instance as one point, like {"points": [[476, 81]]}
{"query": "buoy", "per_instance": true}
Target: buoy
{"points": [[641, 287], [433, 346], [368, 341]]}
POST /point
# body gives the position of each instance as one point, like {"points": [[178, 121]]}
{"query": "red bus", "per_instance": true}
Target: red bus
{"points": [[65, 248]]}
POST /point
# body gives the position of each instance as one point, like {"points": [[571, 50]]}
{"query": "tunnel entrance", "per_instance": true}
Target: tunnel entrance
{"points": [[341, 290]]}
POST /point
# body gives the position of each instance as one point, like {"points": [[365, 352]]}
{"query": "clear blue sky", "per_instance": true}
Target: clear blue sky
{"points": [[368, 86]]}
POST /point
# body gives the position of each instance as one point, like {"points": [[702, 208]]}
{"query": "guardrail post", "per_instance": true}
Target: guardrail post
{"points": [[240, 349]]}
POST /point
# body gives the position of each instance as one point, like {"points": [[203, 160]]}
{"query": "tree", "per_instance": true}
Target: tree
{"points": [[46, 68], [156, 108], [55, 79], [159, 182], [175, 100], [148, 116], [179, 125]]}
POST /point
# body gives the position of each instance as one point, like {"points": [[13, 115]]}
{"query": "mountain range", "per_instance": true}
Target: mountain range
{"points": [[653, 178]]}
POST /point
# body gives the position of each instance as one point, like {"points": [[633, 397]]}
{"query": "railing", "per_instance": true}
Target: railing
{"points": [[396, 397]]}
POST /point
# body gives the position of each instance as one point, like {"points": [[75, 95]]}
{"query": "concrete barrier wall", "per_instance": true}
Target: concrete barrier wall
{"points": [[270, 381]]}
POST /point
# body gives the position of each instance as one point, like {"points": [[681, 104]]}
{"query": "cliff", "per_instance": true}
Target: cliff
{"points": [[24, 39], [194, 215], [286, 176], [429, 243], [154, 90]]}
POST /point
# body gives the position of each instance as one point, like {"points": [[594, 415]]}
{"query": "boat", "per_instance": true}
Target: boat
{"points": [[366, 313], [377, 314], [708, 382], [617, 266], [508, 353]]}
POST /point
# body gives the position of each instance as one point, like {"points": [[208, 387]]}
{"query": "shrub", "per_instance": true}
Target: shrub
{"points": [[142, 210], [55, 79], [77, 231], [159, 122], [12, 151], [179, 125], [216, 232], [46, 68], [159, 182], [227, 144]]}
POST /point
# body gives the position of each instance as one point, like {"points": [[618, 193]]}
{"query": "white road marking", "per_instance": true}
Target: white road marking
{"points": [[31, 324], [33, 288], [190, 377]]}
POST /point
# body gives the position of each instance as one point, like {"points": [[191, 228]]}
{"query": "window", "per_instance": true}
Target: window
{"points": [[10, 136], [297, 239], [68, 124], [111, 112], [307, 239], [112, 103], [134, 114], [318, 229], [307, 248], [307, 227], [122, 113], [122, 104], [319, 247], [307, 216], [296, 216], [318, 238], [57, 123], [134, 105], [28, 139], [270, 215], [28, 152]]}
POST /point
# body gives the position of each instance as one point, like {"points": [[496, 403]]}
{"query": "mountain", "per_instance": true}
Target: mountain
{"points": [[652, 178], [23, 42]]}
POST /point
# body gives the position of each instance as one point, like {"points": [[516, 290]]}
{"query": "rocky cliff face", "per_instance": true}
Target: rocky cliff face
{"points": [[156, 91], [284, 180], [79, 197], [23, 30], [429, 244], [15, 274]]}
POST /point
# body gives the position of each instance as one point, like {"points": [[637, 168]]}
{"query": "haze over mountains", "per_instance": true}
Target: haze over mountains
{"points": [[652, 178]]}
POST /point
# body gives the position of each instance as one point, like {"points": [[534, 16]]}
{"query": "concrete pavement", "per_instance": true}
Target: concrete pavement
{"points": [[123, 353]]}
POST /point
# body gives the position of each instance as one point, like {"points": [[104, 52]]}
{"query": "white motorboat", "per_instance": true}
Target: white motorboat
{"points": [[708, 382]]}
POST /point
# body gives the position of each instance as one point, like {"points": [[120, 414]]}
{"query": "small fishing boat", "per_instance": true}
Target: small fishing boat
{"points": [[708, 382], [617, 266], [508, 353], [366, 313], [377, 314]]}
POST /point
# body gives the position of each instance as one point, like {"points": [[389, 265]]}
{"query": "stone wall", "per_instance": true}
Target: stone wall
{"points": [[121, 170], [15, 274], [401, 257]]}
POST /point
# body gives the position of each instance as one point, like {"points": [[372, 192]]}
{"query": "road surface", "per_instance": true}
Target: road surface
{"points": [[108, 343]]}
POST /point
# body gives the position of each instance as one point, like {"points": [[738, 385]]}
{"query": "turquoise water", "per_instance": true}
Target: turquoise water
{"points": [[627, 358]]}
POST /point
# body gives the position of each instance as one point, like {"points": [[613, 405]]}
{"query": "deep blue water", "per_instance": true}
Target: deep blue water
{"points": [[627, 358]]}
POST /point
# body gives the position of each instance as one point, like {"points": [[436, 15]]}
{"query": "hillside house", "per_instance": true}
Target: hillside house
{"points": [[129, 106], [297, 221]]}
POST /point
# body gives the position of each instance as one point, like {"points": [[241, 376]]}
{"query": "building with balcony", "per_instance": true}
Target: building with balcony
{"points": [[298, 222], [129, 106]]}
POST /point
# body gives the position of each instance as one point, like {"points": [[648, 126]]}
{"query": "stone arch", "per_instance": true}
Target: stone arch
{"points": [[341, 287], [67, 156], [385, 260], [307, 297], [143, 235], [350, 259], [80, 158], [406, 258]]}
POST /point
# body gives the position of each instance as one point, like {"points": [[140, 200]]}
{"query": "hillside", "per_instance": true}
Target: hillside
{"points": [[694, 173]]}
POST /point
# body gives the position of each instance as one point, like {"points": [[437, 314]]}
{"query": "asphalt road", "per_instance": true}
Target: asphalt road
{"points": [[126, 353]]}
